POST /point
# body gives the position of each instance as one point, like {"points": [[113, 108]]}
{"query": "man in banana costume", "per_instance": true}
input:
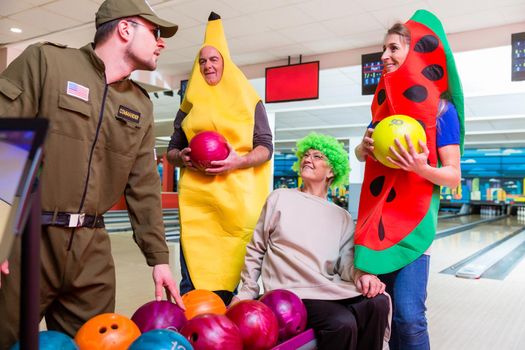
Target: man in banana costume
{"points": [[220, 206]]}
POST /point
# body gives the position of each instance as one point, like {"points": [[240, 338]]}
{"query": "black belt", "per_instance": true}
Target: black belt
{"points": [[72, 220]]}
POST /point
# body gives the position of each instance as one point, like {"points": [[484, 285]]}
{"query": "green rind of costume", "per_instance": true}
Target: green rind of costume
{"points": [[398, 255], [454, 83]]}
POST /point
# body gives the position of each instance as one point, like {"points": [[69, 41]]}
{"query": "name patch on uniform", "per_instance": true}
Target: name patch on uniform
{"points": [[128, 114], [77, 90]]}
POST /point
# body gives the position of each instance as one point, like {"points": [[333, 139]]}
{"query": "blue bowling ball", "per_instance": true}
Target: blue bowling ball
{"points": [[161, 339], [52, 340]]}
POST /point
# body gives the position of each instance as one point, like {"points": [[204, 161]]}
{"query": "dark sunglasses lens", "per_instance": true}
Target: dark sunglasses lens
{"points": [[156, 32]]}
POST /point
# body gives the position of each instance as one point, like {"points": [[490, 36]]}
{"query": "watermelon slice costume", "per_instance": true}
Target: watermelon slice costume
{"points": [[398, 209]]}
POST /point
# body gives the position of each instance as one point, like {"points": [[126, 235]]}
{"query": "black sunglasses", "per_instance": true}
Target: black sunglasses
{"points": [[155, 31]]}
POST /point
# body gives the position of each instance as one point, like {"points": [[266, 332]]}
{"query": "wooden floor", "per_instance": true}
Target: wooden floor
{"points": [[463, 314], [134, 281]]}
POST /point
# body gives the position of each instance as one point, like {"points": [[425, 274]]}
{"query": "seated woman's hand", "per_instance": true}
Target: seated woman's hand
{"points": [[370, 286]]}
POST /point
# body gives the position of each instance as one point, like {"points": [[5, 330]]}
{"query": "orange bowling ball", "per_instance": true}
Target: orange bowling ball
{"points": [[200, 301], [107, 332]]}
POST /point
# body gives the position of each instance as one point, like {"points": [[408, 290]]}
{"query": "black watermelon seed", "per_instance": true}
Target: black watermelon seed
{"points": [[377, 185], [433, 72], [426, 44], [416, 93], [381, 230], [381, 96], [391, 195]]}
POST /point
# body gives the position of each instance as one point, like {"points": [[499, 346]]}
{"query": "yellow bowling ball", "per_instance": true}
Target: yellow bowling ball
{"points": [[396, 127]]}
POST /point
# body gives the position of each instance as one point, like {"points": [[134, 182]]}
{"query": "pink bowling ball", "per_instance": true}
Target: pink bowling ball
{"points": [[257, 323], [206, 147], [289, 310]]}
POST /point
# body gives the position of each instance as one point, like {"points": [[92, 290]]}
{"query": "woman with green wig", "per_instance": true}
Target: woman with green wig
{"points": [[304, 244]]}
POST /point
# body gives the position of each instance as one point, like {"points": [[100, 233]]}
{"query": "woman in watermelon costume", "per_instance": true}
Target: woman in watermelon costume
{"points": [[219, 207], [398, 207]]}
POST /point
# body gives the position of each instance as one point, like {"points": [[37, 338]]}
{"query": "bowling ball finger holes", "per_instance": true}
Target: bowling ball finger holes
{"points": [[194, 337], [103, 330]]}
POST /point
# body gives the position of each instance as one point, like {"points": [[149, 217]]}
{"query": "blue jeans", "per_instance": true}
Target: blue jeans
{"points": [[408, 290], [186, 284]]}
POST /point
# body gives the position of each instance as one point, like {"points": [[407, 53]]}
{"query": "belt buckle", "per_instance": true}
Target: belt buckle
{"points": [[76, 220]]}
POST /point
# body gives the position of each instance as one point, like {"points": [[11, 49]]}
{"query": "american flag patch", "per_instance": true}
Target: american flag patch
{"points": [[77, 90]]}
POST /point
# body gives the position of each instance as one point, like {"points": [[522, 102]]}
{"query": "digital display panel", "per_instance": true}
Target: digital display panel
{"points": [[518, 56], [371, 69]]}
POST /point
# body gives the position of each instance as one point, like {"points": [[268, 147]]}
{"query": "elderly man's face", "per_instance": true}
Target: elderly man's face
{"points": [[211, 65]]}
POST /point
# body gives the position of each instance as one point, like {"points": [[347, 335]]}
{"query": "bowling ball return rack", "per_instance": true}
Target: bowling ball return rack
{"points": [[302, 341]]}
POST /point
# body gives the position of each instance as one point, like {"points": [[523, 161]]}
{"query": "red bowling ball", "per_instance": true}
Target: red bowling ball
{"points": [[159, 315], [206, 147], [289, 310], [212, 332], [257, 323]]}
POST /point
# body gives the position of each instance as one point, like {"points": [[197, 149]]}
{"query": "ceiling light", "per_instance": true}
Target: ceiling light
{"points": [[16, 30]]}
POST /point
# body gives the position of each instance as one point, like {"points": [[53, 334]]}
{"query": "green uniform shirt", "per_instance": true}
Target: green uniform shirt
{"points": [[100, 142]]}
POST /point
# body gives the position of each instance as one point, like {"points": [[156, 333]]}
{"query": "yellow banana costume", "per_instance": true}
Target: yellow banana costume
{"points": [[218, 213]]}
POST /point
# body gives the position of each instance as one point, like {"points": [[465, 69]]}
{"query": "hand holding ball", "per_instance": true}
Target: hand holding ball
{"points": [[206, 147], [396, 127]]}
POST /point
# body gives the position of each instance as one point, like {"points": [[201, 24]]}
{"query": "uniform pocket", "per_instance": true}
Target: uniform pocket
{"points": [[73, 118], [75, 105], [129, 124], [9, 89], [122, 136]]}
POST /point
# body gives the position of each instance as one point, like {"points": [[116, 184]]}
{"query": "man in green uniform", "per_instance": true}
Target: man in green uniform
{"points": [[99, 146]]}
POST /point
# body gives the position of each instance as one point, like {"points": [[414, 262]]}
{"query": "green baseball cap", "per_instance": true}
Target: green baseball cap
{"points": [[114, 9]]}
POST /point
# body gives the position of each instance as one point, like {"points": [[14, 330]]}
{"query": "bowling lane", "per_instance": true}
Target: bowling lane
{"points": [[118, 221], [517, 274], [444, 224], [451, 249]]}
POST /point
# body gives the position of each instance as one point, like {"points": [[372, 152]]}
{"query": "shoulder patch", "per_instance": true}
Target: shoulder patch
{"points": [[62, 46], [144, 91]]}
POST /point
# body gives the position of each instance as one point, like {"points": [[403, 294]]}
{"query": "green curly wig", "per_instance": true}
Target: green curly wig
{"points": [[332, 149]]}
